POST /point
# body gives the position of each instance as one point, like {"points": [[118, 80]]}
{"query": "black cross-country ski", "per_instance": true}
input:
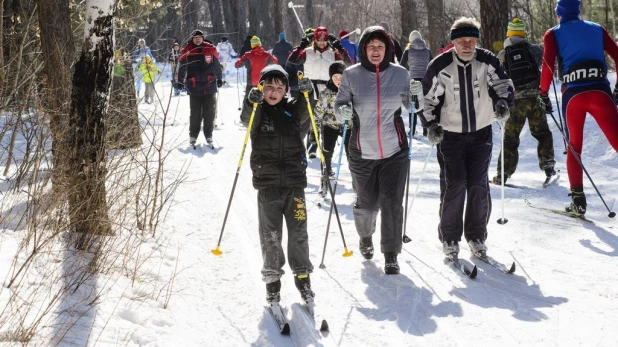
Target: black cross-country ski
{"points": [[550, 180], [461, 267], [561, 212], [489, 260], [277, 313]]}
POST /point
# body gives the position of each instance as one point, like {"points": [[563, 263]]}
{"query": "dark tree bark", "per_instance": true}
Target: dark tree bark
{"points": [[188, 23], [494, 19], [292, 31], [58, 54], [172, 22], [123, 129], [409, 17], [438, 25], [310, 15], [278, 15], [214, 7], [91, 85], [254, 16]]}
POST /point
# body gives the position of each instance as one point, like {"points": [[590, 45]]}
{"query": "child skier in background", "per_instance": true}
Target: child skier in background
{"points": [[173, 60], [148, 70], [325, 112], [279, 174]]}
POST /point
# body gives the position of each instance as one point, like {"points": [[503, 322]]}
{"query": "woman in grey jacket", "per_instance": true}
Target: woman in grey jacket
{"points": [[371, 94], [415, 58]]}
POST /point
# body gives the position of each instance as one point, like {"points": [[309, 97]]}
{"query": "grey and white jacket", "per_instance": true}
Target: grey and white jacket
{"points": [[460, 95], [376, 94]]}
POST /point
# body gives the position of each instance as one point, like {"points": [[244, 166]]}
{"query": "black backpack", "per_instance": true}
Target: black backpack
{"points": [[520, 65]]}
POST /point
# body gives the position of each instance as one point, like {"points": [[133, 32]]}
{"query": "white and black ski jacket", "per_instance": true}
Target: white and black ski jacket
{"points": [[460, 95]]}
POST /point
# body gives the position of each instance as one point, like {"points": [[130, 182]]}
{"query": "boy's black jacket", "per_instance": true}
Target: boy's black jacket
{"points": [[278, 153]]}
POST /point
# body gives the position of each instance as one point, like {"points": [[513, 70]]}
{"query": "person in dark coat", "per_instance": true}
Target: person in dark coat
{"points": [[282, 50], [279, 166], [246, 46], [200, 72]]}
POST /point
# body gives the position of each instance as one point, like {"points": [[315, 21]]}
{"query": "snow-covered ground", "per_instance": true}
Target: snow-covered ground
{"points": [[563, 293]]}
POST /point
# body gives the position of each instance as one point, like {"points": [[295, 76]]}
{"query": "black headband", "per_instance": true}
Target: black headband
{"points": [[464, 32]]}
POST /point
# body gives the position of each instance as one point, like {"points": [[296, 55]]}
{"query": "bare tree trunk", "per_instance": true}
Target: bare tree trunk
{"points": [[408, 17], [1, 46], [437, 24], [310, 15], [232, 17], [267, 29], [189, 17], [58, 53], [278, 16], [91, 86], [214, 7], [254, 17], [293, 31], [611, 10], [494, 19]]}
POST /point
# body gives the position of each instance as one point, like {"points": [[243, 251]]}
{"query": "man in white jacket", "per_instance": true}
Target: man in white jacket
{"points": [[465, 90]]}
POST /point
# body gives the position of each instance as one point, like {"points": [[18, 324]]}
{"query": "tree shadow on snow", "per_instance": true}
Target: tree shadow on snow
{"points": [[397, 299], [493, 289]]}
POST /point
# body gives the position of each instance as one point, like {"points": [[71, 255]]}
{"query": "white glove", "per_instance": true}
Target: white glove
{"points": [[345, 112], [416, 89]]}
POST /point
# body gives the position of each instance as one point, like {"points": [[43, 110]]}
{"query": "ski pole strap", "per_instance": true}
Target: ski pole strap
{"points": [[313, 124]]}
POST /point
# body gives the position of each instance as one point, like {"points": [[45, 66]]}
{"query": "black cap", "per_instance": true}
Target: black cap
{"points": [[336, 68], [274, 70], [224, 38], [197, 32]]}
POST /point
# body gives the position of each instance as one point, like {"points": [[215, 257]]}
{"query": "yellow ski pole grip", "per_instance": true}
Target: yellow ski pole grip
{"points": [[313, 125]]}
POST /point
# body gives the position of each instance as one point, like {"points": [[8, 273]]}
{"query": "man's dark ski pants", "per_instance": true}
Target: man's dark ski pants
{"points": [[464, 160]]}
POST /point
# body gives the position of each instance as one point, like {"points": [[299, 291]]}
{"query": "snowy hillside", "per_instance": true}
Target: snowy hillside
{"points": [[563, 292]]}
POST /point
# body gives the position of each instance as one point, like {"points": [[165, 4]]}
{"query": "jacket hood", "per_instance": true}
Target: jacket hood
{"points": [[418, 44], [513, 40], [381, 34]]}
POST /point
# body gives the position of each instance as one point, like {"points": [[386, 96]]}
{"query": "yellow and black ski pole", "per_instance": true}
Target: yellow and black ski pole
{"points": [[346, 252], [217, 251]]}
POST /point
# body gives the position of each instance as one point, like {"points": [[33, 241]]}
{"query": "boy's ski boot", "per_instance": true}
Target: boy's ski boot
{"points": [[273, 292], [366, 247], [578, 202], [210, 143], [303, 283], [192, 141], [391, 266]]}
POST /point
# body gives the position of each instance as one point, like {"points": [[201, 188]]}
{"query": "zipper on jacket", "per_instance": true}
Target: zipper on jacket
{"points": [[281, 160], [466, 92], [379, 116]]}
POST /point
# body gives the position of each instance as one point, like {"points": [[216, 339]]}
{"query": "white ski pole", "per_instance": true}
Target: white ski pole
{"points": [[502, 220], [291, 5], [357, 31]]}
